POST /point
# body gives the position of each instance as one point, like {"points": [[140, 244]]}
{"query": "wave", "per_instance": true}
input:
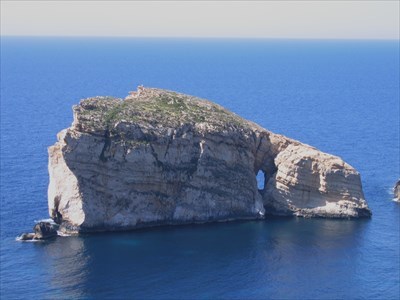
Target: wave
{"points": [[19, 239], [51, 221], [60, 233]]}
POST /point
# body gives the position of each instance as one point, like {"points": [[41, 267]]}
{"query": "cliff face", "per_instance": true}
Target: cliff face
{"points": [[159, 157]]}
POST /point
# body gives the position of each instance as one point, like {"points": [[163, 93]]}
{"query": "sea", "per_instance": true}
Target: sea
{"points": [[341, 96]]}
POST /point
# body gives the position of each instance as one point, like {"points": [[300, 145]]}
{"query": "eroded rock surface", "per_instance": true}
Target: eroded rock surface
{"points": [[160, 157]]}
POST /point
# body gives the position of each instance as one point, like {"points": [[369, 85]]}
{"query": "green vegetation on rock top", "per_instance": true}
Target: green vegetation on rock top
{"points": [[155, 107]]}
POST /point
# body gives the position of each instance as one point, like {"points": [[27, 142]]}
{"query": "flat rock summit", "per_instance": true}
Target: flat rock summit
{"points": [[159, 157]]}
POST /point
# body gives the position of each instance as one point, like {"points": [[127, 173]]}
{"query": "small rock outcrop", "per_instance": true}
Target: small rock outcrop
{"points": [[42, 231], [159, 157], [396, 191]]}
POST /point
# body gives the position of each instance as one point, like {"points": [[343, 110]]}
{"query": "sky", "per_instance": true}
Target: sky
{"points": [[363, 19]]}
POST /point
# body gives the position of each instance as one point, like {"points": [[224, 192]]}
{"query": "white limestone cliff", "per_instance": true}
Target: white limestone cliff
{"points": [[159, 157]]}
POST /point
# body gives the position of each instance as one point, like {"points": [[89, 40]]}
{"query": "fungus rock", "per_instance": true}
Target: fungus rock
{"points": [[158, 157]]}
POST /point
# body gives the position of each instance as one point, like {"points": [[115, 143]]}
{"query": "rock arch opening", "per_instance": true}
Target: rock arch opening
{"points": [[261, 178], [263, 173]]}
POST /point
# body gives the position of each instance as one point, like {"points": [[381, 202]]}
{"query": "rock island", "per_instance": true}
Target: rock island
{"points": [[159, 157]]}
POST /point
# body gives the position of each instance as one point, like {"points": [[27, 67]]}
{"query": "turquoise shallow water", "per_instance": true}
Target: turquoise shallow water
{"points": [[340, 96]]}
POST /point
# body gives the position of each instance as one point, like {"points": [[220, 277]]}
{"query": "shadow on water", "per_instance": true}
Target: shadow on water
{"points": [[258, 258]]}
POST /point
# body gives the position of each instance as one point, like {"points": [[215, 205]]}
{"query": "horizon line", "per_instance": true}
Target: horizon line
{"points": [[204, 37]]}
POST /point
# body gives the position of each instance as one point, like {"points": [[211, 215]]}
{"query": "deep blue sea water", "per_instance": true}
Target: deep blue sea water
{"points": [[340, 96]]}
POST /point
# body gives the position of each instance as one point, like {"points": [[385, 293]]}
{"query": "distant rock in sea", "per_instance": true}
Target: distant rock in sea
{"points": [[159, 157], [396, 191]]}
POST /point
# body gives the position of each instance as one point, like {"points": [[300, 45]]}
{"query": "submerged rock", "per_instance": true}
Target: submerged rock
{"points": [[160, 157], [396, 191], [27, 237]]}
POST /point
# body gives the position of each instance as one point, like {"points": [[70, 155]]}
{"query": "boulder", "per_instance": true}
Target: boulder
{"points": [[44, 230]]}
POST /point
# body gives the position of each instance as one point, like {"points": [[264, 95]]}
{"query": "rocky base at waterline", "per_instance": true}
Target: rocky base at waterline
{"points": [[159, 157], [42, 231], [396, 191]]}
